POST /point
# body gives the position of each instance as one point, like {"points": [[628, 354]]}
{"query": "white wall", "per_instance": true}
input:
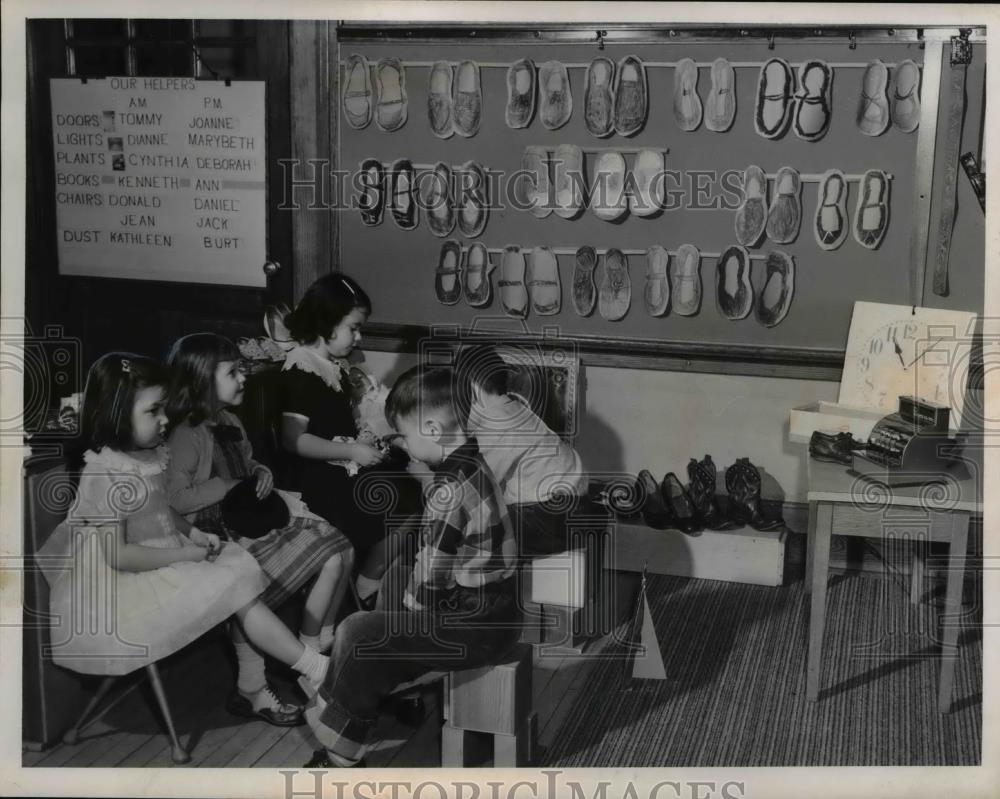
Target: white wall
{"points": [[634, 419]]}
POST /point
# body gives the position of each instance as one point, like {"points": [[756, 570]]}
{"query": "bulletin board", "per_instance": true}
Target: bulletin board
{"points": [[397, 267], [160, 179]]}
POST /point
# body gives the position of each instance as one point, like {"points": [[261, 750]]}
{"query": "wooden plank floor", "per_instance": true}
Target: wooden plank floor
{"points": [[130, 733]]}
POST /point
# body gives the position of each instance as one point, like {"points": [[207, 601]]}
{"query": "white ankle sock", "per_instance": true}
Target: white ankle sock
{"points": [[310, 641], [312, 665], [250, 667], [366, 586], [326, 633]]}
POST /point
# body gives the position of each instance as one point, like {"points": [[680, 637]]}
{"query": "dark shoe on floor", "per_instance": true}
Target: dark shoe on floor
{"points": [[775, 87], [751, 216], [584, 288], [655, 512], [701, 486], [743, 485], [284, 715], [402, 194], [371, 202], [631, 96], [448, 275], [556, 100], [408, 708], [734, 291], [683, 515], [598, 97], [321, 759], [834, 447], [468, 106], [520, 93], [357, 97], [775, 298], [812, 107]]}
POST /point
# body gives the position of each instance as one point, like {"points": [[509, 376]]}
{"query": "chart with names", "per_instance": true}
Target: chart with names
{"points": [[161, 179]]}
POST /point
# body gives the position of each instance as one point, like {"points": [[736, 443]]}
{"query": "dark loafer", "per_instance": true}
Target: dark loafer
{"points": [[834, 448], [321, 759], [655, 511], [682, 511], [239, 705]]}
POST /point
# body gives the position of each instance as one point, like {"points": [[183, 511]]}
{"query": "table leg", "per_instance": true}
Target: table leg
{"points": [[917, 574], [952, 607], [817, 603], [810, 545]]}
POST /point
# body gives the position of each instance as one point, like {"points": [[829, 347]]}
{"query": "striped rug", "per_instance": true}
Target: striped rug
{"points": [[735, 657]]}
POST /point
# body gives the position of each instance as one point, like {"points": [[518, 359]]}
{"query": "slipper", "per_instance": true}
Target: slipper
{"points": [[371, 202], [584, 289], [631, 96], [543, 282], [357, 97], [448, 275], [657, 290], [751, 216], [556, 104], [570, 181], [598, 98], [785, 213], [831, 221], [775, 299], [473, 200], [904, 89], [468, 107], [476, 277], [720, 106], [520, 93], [615, 295], [871, 214], [648, 175], [513, 293], [734, 289], [812, 106], [775, 87], [435, 196], [440, 104], [687, 103], [608, 199], [531, 188], [391, 102], [685, 280], [873, 105], [401, 194]]}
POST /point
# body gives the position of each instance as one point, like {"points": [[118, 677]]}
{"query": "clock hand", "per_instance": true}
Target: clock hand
{"points": [[899, 350], [923, 352]]}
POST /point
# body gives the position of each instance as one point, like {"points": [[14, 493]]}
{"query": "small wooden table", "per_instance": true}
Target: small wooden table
{"points": [[850, 503]]}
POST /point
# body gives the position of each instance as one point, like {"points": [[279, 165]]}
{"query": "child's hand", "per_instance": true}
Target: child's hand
{"points": [[365, 455], [194, 553], [208, 540], [265, 481]]}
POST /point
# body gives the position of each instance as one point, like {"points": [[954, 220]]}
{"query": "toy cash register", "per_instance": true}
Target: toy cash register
{"points": [[914, 439]]}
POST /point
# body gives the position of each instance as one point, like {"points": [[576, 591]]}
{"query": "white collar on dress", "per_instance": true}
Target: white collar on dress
{"points": [[308, 360], [146, 462]]}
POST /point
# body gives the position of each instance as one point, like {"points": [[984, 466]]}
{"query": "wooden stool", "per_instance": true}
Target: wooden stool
{"points": [[495, 700]]}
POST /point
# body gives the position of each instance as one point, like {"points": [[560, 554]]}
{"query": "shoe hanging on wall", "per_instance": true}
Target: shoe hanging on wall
{"points": [[371, 201], [685, 280], [570, 180], [520, 93], [357, 95], [785, 214], [448, 275], [813, 109], [473, 200], [599, 98], [720, 105], [477, 281], [436, 197], [615, 295], [775, 90], [751, 216], [584, 288], [687, 103], [440, 102], [608, 198], [831, 222], [734, 290], [402, 194], [468, 105], [533, 185], [543, 283], [513, 292], [904, 93], [648, 182], [775, 298], [631, 96], [555, 97], [871, 213], [873, 104], [390, 94], [656, 292]]}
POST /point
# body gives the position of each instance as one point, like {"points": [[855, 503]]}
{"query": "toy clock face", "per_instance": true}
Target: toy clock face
{"points": [[894, 351]]}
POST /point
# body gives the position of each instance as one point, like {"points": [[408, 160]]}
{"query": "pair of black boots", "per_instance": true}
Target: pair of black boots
{"points": [[694, 508]]}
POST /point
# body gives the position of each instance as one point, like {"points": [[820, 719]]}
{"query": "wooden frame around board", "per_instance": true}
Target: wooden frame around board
{"points": [[675, 354]]}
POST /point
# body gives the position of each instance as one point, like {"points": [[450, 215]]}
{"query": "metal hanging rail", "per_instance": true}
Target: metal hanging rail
{"points": [[646, 64], [604, 251]]}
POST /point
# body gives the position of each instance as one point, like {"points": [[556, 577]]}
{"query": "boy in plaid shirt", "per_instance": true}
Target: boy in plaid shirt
{"points": [[459, 608]]}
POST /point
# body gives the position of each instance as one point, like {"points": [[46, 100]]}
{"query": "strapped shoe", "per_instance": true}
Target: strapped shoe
{"points": [[440, 103], [477, 282], [615, 295], [371, 202], [685, 280], [473, 200], [835, 447], [608, 198], [448, 275], [831, 223], [751, 216], [556, 100], [468, 106], [391, 102], [775, 299], [655, 511], [584, 289], [734, 294], [648, 175], [598, 97], [775, 87], [543, 283], [720, 107], [570, 180], [657, 290], [532, 187], [871, 214], [436, 198], [873, 105], [513, 293], [687, 103], [321, 759], [520, 93], [904, 91], [280, 714], [785, 214], [402, 194], [812, 107], [357, 96], [631, 96], [683, 515], [701, 487]]}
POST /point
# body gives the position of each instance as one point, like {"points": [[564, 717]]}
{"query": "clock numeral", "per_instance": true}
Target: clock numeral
{"points": [[875, 348], [891, 333], [869, 384], [864, 363], [909, 330]]}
